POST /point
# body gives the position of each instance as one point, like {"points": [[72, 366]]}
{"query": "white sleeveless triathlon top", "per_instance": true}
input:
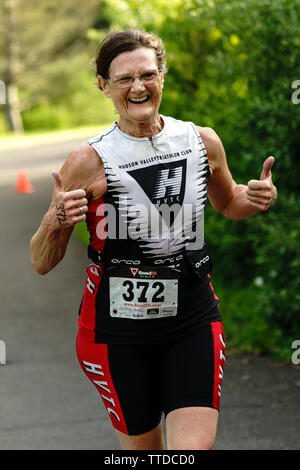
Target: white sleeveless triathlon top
{"points": [[149, 281], [156, 189]]}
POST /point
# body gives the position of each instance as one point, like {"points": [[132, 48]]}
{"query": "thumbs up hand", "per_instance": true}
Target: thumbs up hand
{"points": [[262, 193], [67, 207]]}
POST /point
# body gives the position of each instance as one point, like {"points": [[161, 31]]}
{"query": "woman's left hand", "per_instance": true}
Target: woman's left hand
{"points": [[262, 193]]}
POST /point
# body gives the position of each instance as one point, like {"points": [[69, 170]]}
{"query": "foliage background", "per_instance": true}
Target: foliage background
{"points": [[231, 67]]}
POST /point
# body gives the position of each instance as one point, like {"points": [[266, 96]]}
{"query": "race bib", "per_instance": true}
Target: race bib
{"points": [[143, 293]]}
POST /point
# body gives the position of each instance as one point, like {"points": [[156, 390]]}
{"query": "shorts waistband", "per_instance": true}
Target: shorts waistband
{"points": [[197, 262]]}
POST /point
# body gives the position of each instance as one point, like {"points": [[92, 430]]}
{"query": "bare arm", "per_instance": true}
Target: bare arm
{"points": [[82, 170], [235, 201]]}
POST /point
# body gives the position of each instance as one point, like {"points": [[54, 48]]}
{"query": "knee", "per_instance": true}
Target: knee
{"points": [[192, 444], [191, 428]]}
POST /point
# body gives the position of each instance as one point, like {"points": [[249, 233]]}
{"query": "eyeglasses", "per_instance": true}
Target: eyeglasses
{"points": [[127, 80]]}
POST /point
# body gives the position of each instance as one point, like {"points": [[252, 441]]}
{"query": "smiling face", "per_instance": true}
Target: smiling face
{"points": [[138, 103]]}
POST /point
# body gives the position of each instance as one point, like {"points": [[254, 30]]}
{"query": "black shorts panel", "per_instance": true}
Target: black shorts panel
{"points": [[138, 383], [192, 369]]}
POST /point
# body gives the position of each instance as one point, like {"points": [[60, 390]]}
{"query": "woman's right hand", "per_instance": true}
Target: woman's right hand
{"points": [[67, 207]]}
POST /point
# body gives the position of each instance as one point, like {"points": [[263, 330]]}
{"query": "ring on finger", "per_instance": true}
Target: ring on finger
{"points": [[81, 210]]}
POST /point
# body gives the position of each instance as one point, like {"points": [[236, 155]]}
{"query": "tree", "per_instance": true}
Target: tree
{"points": [[12, 65], [39, 42]]}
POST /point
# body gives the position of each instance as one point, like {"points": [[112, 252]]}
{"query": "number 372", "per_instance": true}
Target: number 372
{"points": [[143, 292]]}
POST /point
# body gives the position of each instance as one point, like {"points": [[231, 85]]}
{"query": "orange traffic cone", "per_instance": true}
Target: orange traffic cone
{"points": [[23, 184]]}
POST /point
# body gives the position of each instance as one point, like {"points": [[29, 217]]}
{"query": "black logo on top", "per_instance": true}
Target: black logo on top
{"points": [[163, 183]]}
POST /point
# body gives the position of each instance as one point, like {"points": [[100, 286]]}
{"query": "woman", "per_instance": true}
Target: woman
{"points": [[150, 333]]}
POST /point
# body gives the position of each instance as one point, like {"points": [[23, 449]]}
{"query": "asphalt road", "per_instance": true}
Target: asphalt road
{"points": [[45, 400]]}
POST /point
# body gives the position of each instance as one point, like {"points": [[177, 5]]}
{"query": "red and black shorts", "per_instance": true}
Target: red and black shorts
{"points": [[138, 383]]}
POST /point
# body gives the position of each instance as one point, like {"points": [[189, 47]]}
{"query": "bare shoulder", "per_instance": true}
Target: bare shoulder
{"points": [[214, 147], [221, 185], [83, 155], [83, 168], [210, 139]]}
